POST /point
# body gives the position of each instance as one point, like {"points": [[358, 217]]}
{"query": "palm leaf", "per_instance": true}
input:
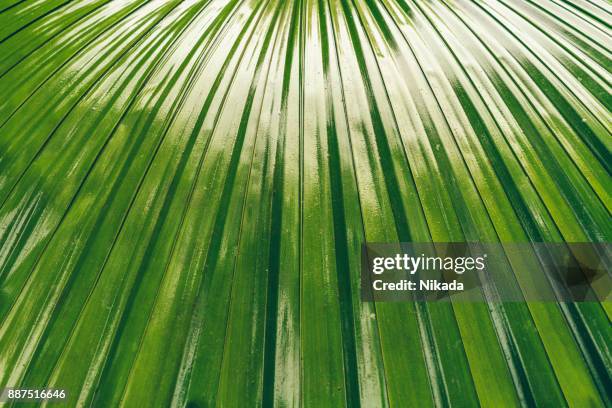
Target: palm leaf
{"points": [[185, 187]]}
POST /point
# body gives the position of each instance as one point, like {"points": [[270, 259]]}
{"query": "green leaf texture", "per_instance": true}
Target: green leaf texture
{"points": [[185, 186]]}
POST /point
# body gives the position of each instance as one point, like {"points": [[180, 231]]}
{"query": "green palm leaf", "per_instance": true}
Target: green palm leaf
{"points": [[185, 187]]}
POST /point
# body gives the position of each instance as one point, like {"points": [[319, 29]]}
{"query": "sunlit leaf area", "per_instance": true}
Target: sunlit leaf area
{"points": [[186, 186]]}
